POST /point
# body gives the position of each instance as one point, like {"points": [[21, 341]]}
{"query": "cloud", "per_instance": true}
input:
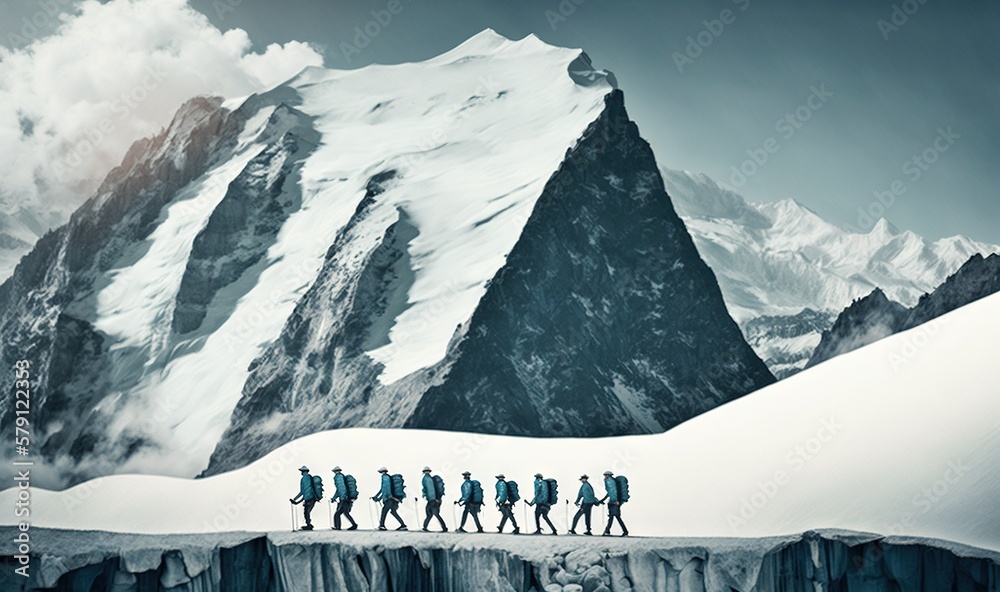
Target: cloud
{"points": [[71, 103]]}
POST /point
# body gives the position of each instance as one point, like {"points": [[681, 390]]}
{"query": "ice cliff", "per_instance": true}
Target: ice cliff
{"points": [[384, 562]]}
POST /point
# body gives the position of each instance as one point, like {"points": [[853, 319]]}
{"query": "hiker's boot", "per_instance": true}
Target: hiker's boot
{"points": [[444, 529], [606, 533], [554, 532], [424, 529], [353, 527], [516, 530], [588, 533], [461, 529], [571, 531], [538, 531], [625, 533], [382, 527], [307, 527], [480, 530], [401, 527], [500, 530]]}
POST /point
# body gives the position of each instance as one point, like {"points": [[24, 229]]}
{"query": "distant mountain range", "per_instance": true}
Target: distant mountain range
{"points": [[786, 273], [875, 317]]}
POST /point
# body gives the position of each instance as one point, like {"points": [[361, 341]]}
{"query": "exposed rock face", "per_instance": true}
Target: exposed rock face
{"points": [[608, 320], [875, 317], [363, 562], [865, 321], [47, 304], [604, 320]]}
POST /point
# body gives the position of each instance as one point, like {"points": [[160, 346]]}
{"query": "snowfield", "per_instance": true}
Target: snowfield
{"points": [[899, 437]]}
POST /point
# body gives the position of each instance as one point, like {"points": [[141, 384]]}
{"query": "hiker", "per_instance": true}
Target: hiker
{"points": [[433, 492], [542, 504], [306, 496], [505, 501], [614, 503], [389, 502], [469, 503], [344, 497], [585, 500]]}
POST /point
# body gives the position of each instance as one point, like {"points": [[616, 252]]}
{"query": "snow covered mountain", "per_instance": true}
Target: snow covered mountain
{"points": [[774, 260], [481, 241], [875, 317], [818, 450]]}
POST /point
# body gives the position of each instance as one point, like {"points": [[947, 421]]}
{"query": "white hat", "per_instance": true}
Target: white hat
{"points": [[427, 469], [383, 470], [304, 468], [336, 468]]}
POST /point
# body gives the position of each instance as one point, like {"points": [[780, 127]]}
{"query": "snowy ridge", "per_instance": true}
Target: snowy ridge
{"points": [[778, 461]]}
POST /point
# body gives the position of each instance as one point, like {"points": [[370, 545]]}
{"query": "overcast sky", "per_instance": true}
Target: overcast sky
{"points": [[887, 93]]}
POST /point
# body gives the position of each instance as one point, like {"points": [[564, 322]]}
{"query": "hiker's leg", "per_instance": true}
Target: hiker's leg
{"points": [[395, 514], [385, 512], [437, 513], [576, 518], [348, 506], [587, 510], [428, 512], [307, 509]]}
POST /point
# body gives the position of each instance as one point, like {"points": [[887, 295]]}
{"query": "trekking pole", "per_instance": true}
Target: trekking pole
{"points": [[371, 517], [454, 518], [329, 513], [292, 507], [567, 515], [416, 514]]}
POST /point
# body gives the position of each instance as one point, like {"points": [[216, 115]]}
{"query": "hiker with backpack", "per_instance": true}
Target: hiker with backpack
{"points": [[507, 496], [390, 493], [471, 501], [310, 492], [433, 491], [345, 492], [545, 498], [585, 500], [617, 494]]}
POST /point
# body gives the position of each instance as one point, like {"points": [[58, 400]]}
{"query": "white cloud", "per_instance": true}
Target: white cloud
{"points": [[112, 73]]}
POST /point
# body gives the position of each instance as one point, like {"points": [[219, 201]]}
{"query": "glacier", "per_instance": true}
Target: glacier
{"points": [[383, 562]]}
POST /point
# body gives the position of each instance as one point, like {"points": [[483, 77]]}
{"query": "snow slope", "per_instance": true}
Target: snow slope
{"points": [[898, 437]]}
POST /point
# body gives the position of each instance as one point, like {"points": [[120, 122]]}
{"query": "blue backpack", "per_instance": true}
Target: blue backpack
{"points": [[317, 483], [398, 489], [438, 486], [512, 494], [622, 482], [352, 487], [553, 487], [476, 496]]}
